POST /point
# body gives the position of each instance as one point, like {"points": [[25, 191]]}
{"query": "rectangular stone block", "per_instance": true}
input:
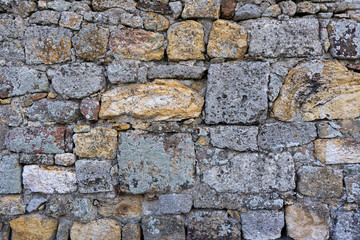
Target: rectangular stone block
{"points": [[176, 71], [338, 151], [12, 205], [124, 207], [11, 27], [37, 159], [163, 227], [175, 203], [10, 173], [10, 115], [352, 185]]}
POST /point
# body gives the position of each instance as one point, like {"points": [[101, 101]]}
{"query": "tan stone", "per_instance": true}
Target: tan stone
{"points": [[98, 143], [155, 22], [319, 90], [137, 44], [33, 227], [161, 100], [12, 205], [227, 40], [82, 128], [338, 151], [5, 101], [201, 9], [101, 5], [307, 222], [186, 41], [101, 229], [123, 206], [121, 126]]}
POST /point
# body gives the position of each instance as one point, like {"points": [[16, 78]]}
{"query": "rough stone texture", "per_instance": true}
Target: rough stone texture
{"points": [[17, 81], [258, 225], [10, 115], [78, 80], [176, 71], [340, 128], [275, 136], [252, 173], [63, 231], [124, 71], [125, 207], [227, 9], [163, 227], [248, 11], [337, 151], [90, 108], [307, 221], [47, 45], [239, 138], [98, 229], [3, 132], [348, 5], [35, 203], [65, 159], [227, 40], [36, 140], [45, 17], [59, 5], [101, 5], [137, 44], [11, 27], [12, 50], [186, 41], [131, 231], [175, 203], [320, 182], [288, 8], [307, 95], [201, 9], [347, 226], [352, 184], [12, 205], [169, 100], [308, 7], [233, 86], [71, 20], [40, 159], [155, 22], [47, 179], [98, 143], [273, 38], [155, 163], [272, 11], [159, 6]]}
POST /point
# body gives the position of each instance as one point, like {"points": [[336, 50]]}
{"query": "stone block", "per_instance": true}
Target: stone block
{"points": [[12, 205], [201, 9], [163, 227], [124, 207], [176, 71], [338, 151], [98, 229]]}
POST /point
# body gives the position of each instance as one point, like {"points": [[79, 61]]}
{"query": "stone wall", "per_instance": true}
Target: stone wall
{"points": [[192, 119]]}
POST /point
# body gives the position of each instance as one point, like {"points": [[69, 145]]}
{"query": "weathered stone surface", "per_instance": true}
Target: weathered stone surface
{"points": [[137, 44], [53, 111], [3, 132], [348, 5], [272, 11], [320, 181], [126, 207], [236, 92], [36, 140], [227, 40], [340, 128], [163, 227], [78, 80], [35, 202], [90, 108], [65, 159], [337, 151], [212, 225], [308, 7], [248, 11], [131, 20], [93, 176], [17, 81], [176, 71], [239, 138], [98, 143], [47, 45], [319, 90], [12, 205], [252, 173], [258, 225], [186, 41], [59, 5], [160, 6], [45, 17], [125, 71], [347, 226], [98, 229], [201, 9], [150, 163], [307, 221], [10, 115], [344, 36], [273, 38], [155, 22], [160, 100], [352, 184], [288, 8], [91, 41], [47, 179], [101, 5], [175, 203], [227, 9], [11, 27], [131, 231], [12, 50], [33, 227], [275, 136], [71, 20], [5, 231], [38, 159], [63, 231]]}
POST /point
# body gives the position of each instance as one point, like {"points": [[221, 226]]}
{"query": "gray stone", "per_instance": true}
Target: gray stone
{"points": [[71, 20], [264, 224], [288, 8], [65, 159], [237, 92], [131, 232], [273, 38], [346, 226], [59, 5], [35, 203], [100, 5], [63, 231], [131, 20], [157, 163], [10, 173], [253, 173], [176, 8], [3, 132], [12, 50], [38, 159], [163, 227], [10, 115], [5, 232], [21, 80], [248, 11], [348, 5], [11, 27], [352, 184], [239, 138], [45, 17], [78, 80], [176, 71], [123, 71], [275, 136], [93, 176], [12, 205], [175, 203]]}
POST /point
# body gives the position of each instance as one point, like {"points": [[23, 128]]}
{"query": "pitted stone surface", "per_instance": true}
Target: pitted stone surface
{"points": [[10, 115], [155, 22], [347, 226], [352, 184], [175, 203], [11, 27], [176, 71], [163, 227], [12, 205], [45, 17], [125, 71], [71, 20], [201, 9], [90, 108], [3, 132], [10, 173], [40, 159]]}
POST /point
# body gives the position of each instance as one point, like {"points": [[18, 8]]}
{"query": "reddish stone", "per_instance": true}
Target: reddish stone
{"points": [[68, 140], [228, 9], [90, 109], [159, 6]]}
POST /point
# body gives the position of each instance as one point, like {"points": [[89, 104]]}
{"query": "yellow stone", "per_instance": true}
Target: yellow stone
{"points": [[82, 129], [101, 229], [227, 40], [5, 101], [52, 95], [121, 126], [12, 205], [202, 141], [319, 90], [141, 125], [123, 206], [160, 100], [201, 9], [155, 22], [33, 227], [186, 41]]}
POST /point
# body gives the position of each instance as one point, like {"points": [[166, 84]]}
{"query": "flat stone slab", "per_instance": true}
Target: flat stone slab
{"points": [[10, 173]]}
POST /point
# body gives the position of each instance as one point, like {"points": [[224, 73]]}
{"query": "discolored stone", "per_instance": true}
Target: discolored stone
{"points": [[154, 163], [12, 50], [38, 159], [3, 132], [201, 9], [308, 7], [11, 27], [155, 22], [337, 151], [137, 44], [288, 8], [98, 143], [176, 71], [33, 227], [10, 173], [45, 17], [91, 41], [186, 41], [125, 71], [169, 100], [131, 231], [320, 181], [46, 179], [98, 229], [125, 207], [352, 184], [12, 205], [71, 20], [10, 115], [346, 226], [319, 90], [227, 40], [65, 159], [348, 5], [227, 9], [59, 5], [101, 5], [163, 227], [90, 108], [248, 11], [272, 11], [159, 6], [47, 45]]}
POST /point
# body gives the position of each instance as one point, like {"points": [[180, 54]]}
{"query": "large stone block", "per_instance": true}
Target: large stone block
{"points": [[347, 226], [98, 229], [12, 50], [12, 205], [45, 17], [10, 115], [10, 173], [201, 9], [176, 71], [11, 27], [163, 227], [155, 22], [237, 92], [125, 71], [273, 38], [175, 203], [154, 163], [125, 207], [338, 151]]}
